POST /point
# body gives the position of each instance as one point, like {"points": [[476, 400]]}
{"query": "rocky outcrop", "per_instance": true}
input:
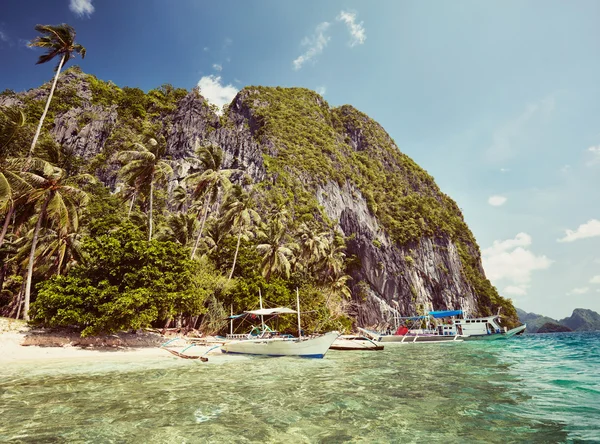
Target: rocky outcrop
{"points": [[423, 273], [84, 131], [390, 277]]}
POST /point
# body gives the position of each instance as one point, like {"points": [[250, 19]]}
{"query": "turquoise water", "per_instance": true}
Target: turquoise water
{"points": [[534, 388]]}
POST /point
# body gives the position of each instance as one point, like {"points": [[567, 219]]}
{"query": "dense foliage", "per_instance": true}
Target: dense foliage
{"points": [[126, 282]]}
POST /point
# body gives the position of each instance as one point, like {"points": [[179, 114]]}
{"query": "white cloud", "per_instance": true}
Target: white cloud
{"points": [[589, 229], [595, 155], [322, 90], [510, 261], [81, 7], [595, 280], [565, 169], [504, 137], [217, 67], [3, 36], [504, 170], [315, 44], [580, 290], [513, 290], [216, 93], [205, 49], [496, 201], [357, 30]]}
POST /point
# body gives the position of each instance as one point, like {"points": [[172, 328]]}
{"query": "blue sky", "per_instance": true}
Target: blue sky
{"points": [[497, 100]]}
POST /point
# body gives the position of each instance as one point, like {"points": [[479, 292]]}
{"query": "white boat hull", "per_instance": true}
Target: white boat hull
{"points": [[410, 339], [306, 348], [495, 336], [347, 343]]}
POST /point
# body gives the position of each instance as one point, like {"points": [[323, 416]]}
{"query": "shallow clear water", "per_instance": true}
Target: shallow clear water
{"points": [[535, 388]]}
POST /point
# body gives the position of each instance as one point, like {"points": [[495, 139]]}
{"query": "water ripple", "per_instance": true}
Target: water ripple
{"points": [[536, 388]]}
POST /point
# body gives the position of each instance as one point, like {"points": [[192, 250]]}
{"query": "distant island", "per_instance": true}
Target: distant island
{"points": [[581, 320]]}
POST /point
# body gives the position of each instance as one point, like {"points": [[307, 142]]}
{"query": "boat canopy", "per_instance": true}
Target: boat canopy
{"points": [[271, 311], [445, 313]]}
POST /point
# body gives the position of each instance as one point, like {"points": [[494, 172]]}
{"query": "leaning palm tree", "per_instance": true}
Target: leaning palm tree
{"points": [[58, 40], [145, 167], [208, 183], [59, 200], [241, 216]]}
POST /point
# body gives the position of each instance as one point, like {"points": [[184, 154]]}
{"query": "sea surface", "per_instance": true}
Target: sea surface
{"points": [[533, 388]]}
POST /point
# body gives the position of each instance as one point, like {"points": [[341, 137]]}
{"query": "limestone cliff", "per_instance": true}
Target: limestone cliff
{"points": [[411, 246]]}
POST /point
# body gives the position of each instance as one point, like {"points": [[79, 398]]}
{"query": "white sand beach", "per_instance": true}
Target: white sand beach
{"points": [[15, 338]]}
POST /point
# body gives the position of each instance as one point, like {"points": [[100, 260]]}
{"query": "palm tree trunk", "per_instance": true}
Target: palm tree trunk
{"points": [[34, 241], [151, 201], [11, 210], [201, 228], [237, 248], [39, 128], [131, 205]]}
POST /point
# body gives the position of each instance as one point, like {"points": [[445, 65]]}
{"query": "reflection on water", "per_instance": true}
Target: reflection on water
{"points": [[541, 388]]}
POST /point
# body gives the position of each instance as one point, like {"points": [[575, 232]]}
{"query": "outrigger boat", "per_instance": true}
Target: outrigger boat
{"points": [[354, 342], [266, 342], [456, 329]]}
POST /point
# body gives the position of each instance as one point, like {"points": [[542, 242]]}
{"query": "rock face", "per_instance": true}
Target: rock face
{"points": [[397, 278], [84, 131], [267, 138]]}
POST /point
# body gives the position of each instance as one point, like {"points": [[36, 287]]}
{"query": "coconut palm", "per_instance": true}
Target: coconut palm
{"points": [[145, 167], [12, 119], [59, 200], [241, 216], [312, 245], [208, 183], [58, 40], [57, 250], [179, 198], [332, 262], [180, 228], [275, 249], [14, 185]]}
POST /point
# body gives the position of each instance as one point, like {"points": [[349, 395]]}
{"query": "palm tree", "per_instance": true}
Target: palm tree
{"points": [[208, 183], [332, 262], [241, 217], [12, 119], [59, 199], [312, 245], [58, 40], [180, 228], [14, 184], [146, 167], [275, 249]]}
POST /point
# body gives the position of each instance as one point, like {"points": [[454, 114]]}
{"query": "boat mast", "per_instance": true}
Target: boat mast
{"points": [[231, 321], [262, 318], [298, 311]]}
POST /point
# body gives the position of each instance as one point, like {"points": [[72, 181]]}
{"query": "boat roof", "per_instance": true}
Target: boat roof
{"points": [[445, 313]]}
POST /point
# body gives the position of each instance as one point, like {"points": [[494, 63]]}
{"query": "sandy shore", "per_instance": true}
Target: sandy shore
{"points": [[11, 350], [18, 343]]}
